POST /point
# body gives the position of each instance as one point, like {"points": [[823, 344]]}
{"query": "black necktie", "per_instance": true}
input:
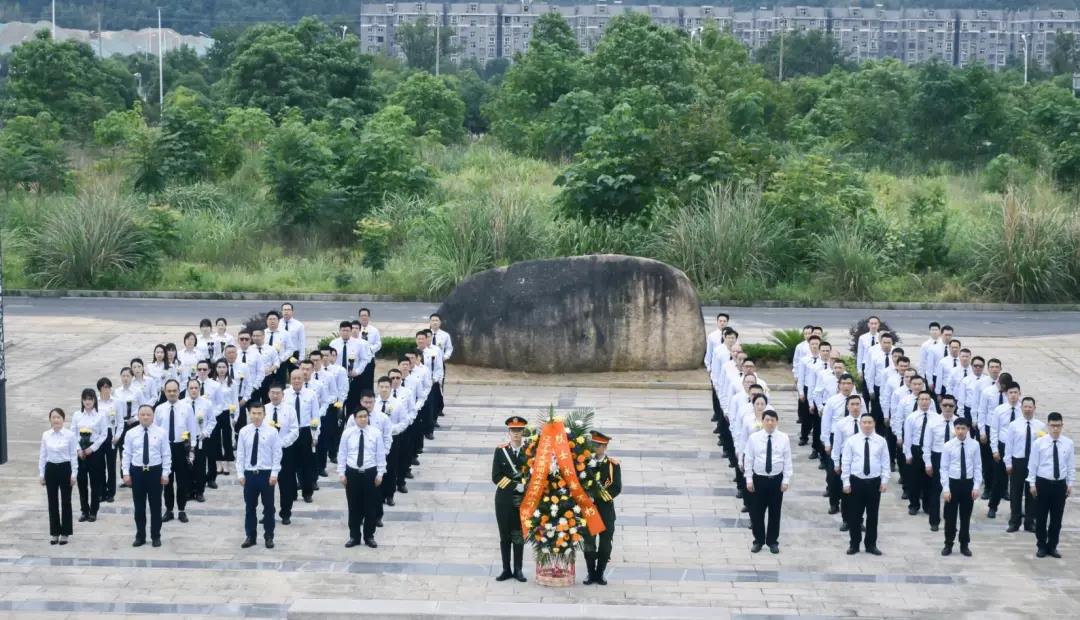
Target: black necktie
{"points": [[965, 373], [873, 340], [128, 416], [384, 406], [146, 447], [954, 362], [271, 338], [768, 456], [344, 352], [202, 389], [866, 458], [1012, 416], [887, 357], [255, 449], [945, 435], [231, 377], [963, 462], [922, 431], [1057, 465], [275, 414], [855, 427], [395, 392], [1001, 397], [172, 423], [360, 452], [1027, 440], [286, 326], [297, 406], [243, 357]]}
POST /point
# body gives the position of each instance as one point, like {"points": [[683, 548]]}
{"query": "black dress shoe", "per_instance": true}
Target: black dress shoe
{"points": [[520, 577], [744, 509], [351, 543], [1041, 553], [91, 518], [109, 499], [985, 495], [168, 516], [269, 543], [55, 540], [965, 551], [873, 550], [403, 489], [946, 550], [913, 511], [934, 527], [409, 475], [591, 579], [1012, 528], [834, 509], [813, 456], [903, 495], [1029, 528], [371, 543], [139, 542], [211, 485], [224, 473], [286, 521], [247, 543], [316, 487], [429, 436], [322, 473], [307, 499], [378, 523], [852, 550], [200, 498], [183, 517], [1052, 553], [155, 542], [389, 501], [416, 463], [803, 442], [738, 494], [503, 576], [825, 493], [437, 425], [992, 513], [844, 527], [63, 541], [756, 547]]}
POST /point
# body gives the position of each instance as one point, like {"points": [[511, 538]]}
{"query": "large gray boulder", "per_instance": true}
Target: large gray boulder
{"points": [[577, 314]]}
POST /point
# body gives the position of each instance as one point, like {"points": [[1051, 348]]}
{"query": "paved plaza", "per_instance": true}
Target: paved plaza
{"points": [[681, 544]]}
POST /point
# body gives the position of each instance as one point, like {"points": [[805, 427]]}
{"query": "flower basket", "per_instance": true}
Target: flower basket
{"points": [[557, 572]]}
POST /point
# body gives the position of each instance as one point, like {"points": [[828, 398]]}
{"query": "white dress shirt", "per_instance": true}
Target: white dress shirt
{"points": [[956, 376], [374, 450], [160, 454], [269, 456], [989, 399], [93, 420], [876, 368], [928, 357], [372, 336], [714, 339], [950, 461], [205, 417], [337, 379], [842, 430], [433, 360], [917, 429], [1003, 415], [398, 413], [757, 450], [251, 373], [442, 340], [282, 416], [801, 350], [863, 352], [942, 432], [353, 354], [854, 458], [1041, 464], [164, 416], [309, 403], [299, 335], [60, 446], [1016, 437], [284, 342], [970, 391], [110, 409], [941, 373], [269, 360], [127, 402]]}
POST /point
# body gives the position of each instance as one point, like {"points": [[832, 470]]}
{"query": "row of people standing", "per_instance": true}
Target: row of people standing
{"points": [[327, 382]]}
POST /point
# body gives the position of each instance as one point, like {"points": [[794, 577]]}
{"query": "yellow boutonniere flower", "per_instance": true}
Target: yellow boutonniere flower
{"points": [[338, 404], [314, 422], [232, 407], [185, 436], [85, 430], [1041, 434], [581, 439], [292, 360]]}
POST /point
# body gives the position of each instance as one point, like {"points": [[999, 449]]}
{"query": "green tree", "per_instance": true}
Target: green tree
{"points": [[189, 147], [475, 93], [434, 107], [66, 80], [120, 127], [811, 53], [417, 41], [297, 169], [32, 155], [562, 129], [251, 126], [960, 113], [1064, 54], [635, 53]]}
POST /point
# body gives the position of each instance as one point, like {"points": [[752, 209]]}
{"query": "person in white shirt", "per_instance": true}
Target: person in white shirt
{"points": [[879, 362], [715, 338], [431, 358], [843, 429], [1018, 438], [927, 360], [893, 384], [281, 415], [190, 355], [1001, 417], [92, 428], [945, 367], [361, 463], [970, 388], [296, 329], [419, 378], [305, 407], [990, 397], [284, 342], [441, 339], [1051, 475], [917, 456], [768, 458], [258, 463], [354, 355], [221, 334], [369, 333], [205, 421], [127, 400], [58, 469], [143, 384], [807, 369], [801, 350], [269, 364], [156, 368], [937, 354], [865, 475], [147, 469], [178, 421], [107, 407], [959, 477], [404, 441], [338, 377], [958, 374], [399, 420], [866, 344], [942, 430]]}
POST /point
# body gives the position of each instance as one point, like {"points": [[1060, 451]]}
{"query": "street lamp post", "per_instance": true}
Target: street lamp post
{"points": [[1023, 37], [3, 372], [343, 29], [138, 76], [780, 73]]}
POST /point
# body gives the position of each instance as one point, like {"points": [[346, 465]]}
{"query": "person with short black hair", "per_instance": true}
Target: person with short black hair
{"points": [[1018, 438], [282, 417], [108, 408], [92, 428], [1003, 415], [177, 419], [361, 465], [607, 475], [1051, 475], [865, 476], [295, 329], [509, 489], [959, 475], [927, 351], [843, 430], [769, 469], [147, 469], [354, 355], [991, 396], [432, 358], [205, 423], [258, 463], [917, 429], [58, 469]]}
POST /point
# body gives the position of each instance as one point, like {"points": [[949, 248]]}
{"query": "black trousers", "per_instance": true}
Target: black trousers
{"points": [[865, 498], [987, 457], [932, 489], [1000, 487], [916, 478], [1049, 507], [109, 453], [327, 437], [393, 466], [363, 499], [304, 462], [834, 485], [257, 488], [222, 439], [431, 408], [199, 473], [960, 504], [601, 543], [58, 490], [91, 480], [716, 412], [287, 480], [179, 487], [805, 423], [767, 497], [146, 489], [1020, 499]]}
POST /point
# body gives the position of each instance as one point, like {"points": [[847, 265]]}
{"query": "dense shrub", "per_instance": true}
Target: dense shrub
{"points": [[847, 264]]}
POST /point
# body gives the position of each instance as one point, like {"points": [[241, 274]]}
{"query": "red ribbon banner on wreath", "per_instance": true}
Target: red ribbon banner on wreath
{"points": [[553, 443]]}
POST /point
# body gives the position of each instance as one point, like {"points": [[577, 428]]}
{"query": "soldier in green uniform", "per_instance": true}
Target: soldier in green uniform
{"points": [[506, 475], [606, 474]]}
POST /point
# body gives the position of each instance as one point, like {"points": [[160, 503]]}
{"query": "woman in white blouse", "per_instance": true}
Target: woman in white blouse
{"points": [[222, 336], [58, 468], [91, 429], [143, 383], [157, 369], [227, 404], [189, 356]]}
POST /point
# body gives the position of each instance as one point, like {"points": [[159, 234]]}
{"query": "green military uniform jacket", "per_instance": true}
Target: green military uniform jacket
{"points": [[506, 474], [607, 488]]}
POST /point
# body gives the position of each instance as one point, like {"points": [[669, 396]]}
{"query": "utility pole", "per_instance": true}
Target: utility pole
{"points": [[783, 27], [54, 20], [3, 374], [438, 42], [1023, 37], [160, 64], [99, 52], [149, 42]]}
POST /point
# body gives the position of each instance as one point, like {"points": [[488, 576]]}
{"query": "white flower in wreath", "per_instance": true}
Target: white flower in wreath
{"points": [[581, 475], [551, 534], [592, 462], [573, 531], [577, 509], [567, 550], [577, 423], [536, 514], [562, 521]]}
